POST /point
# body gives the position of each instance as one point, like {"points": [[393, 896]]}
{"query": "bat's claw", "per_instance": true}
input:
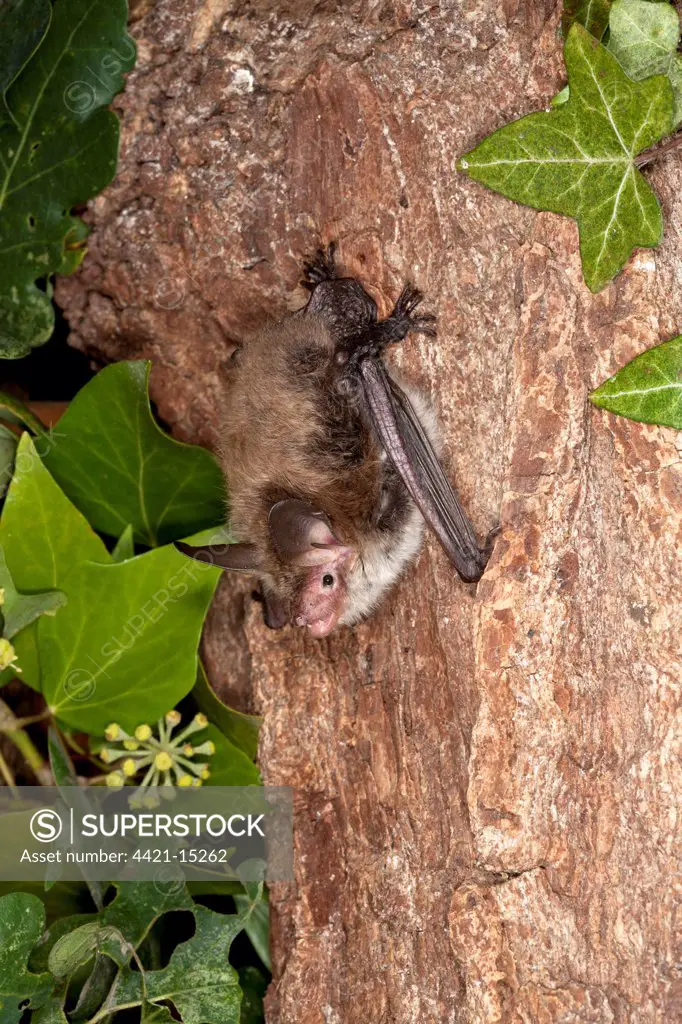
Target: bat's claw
{"points": [[424, 324], [402, 321], [322, 267], [408, 300]]}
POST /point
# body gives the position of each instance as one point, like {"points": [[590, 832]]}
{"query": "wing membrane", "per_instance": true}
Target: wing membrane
{"points": [[409, 448]]}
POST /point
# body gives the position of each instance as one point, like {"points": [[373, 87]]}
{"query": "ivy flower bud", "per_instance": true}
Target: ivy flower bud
{"points": [[109, 754], [8, 655], [163, 761], [208, 747]]}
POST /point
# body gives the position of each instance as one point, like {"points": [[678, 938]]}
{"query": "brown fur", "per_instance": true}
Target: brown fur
{"points": [[290, 430]]}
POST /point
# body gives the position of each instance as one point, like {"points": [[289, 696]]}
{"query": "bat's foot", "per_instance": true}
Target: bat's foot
{"points": [[371, 342], [402, 320], [408, 300], [322, 267]]}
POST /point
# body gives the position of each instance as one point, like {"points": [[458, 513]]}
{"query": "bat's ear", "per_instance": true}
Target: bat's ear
{"points": [[239, 557], [302, 534]]}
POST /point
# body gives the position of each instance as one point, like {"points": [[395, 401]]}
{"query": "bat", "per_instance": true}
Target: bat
{"points": [[332, 463]]}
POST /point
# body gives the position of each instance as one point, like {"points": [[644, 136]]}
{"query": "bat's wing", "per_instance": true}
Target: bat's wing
{"points": [[406, 443]]}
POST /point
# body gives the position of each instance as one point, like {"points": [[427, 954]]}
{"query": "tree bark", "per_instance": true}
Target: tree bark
{"points": [[485, 777]]}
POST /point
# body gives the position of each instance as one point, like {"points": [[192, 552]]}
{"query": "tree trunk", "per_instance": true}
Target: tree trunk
{"points": [[485, 776]]}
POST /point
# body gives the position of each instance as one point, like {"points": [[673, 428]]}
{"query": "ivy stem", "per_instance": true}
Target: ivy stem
{"points": [[20, 723], [655, 152], [6, 773], [8, 720], [11, 727], [26, 747]]}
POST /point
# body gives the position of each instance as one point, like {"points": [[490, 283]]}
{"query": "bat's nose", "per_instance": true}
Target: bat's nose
{"points": [[300, 620]]}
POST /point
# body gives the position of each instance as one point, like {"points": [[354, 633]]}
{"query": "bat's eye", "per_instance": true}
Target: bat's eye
{"points": [[327, 580]]}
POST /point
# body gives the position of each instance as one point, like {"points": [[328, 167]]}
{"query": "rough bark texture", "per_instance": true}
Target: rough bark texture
{"points": [[486, 778]]}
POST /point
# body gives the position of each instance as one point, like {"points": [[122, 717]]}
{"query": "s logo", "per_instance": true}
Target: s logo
{"points": [[46, 825]]}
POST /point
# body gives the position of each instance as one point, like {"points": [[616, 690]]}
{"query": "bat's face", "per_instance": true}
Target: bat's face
{"points": [[308, 584], [315, 565], [320, 601]]}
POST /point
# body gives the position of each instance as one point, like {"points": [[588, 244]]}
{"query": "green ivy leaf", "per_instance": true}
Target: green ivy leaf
{"points": [[136, 908], [62, 899], [116, 653], [579, 159], [119, 468], [58, 148], [198, 980], [60, 762], [648, 389], [95, 989], [37, 557], [257, 923], [212, 535], [254, 986], [40, 956], [125, 545], [20, 610], [591, 14], [22, 921], [643, 38], [124, 646], [229, 766], [79, 948], [51, 1013], [118, 931], [153, 1014], [115, 935], [240, 729], [40, 528], [23, 23], [65, 776], [74, 949]]}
